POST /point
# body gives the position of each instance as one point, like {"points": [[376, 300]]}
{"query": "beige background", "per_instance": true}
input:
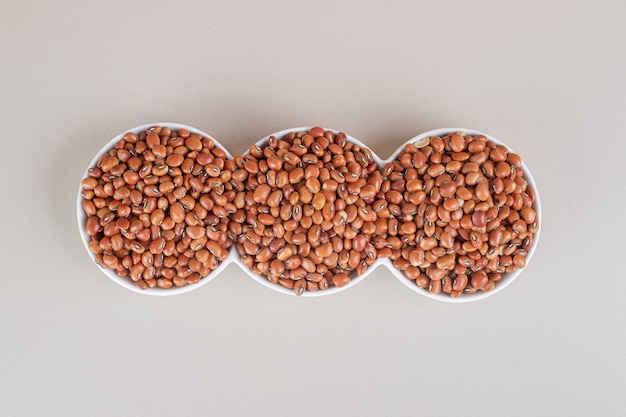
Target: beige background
{"points": [[548, 78]]}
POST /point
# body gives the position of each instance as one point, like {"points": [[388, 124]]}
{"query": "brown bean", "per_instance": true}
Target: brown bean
{"points": [[117, 242], [262, 193], [195, 232], [428, 243], [435, 273], [393, 197], [457, 142], [287, 283], [495, 237], [422, 281], [292, 263], [177, 213], [147, 259], [448, 189], [89, 207], [324, 250], [464, 194], [174, 160], [108, 164], [89, 183], [498, 154], [503, 169], [164, 283], [299, 287], [460, 156], [313, 185], [93, 226], [446, 262], [296, 175], [136, 272], [434, 287], [407, 228], [308, 265], [435, 170], [519, 261], [479, 279], [490, 285], [418, 160], [274, 199], [520, 226], [266, 219], [411, 272], [157, 217], [482, 191], [514, 160], [277, 267], [479, 218], [340, 280], [528, 214], [460, 282]]}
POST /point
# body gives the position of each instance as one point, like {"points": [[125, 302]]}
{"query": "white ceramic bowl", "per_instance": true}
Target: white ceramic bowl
{"points": [[331, 290], [82, 218], [233, 257], [507, 278]]}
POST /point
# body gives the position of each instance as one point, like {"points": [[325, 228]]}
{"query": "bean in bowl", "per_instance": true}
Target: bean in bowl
{"points": [[462, 211], [157, 207], [304, 218]]}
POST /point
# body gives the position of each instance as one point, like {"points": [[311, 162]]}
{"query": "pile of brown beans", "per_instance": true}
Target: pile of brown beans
{"points": [[462, 213], [158, 207], [309, 210], [305, 209]]}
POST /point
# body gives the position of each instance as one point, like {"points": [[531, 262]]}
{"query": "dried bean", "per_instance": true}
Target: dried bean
{"points": [[313, 192], [474, 204], [148, 197]]}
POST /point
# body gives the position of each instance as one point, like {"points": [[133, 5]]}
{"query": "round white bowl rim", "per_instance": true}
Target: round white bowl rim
{"points": [[507, 278], [332, 290], [81, 216]]}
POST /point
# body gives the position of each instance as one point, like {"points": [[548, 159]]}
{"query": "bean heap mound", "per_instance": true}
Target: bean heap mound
{"points": [[310, 210], [158, 207], [463, 210], [307, 219]]}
